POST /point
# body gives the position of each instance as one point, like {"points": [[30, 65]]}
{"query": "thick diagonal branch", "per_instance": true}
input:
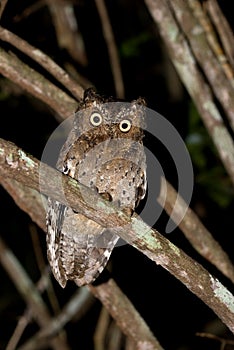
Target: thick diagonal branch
{"points": [[36, 84], [14, 163], [196, 84], [64, 106]]}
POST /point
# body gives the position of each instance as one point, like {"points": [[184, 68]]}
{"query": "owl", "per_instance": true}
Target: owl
{"points": [[103, 151]]}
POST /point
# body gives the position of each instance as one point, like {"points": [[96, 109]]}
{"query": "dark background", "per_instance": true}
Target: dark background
{"points": [[173, 313]]}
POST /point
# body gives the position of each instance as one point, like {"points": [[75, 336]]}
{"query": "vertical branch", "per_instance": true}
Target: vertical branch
{"points": [[101, 329], [2, 6], [112, 49], [66, 27]]}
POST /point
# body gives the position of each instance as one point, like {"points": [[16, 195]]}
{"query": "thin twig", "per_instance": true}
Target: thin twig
{"points": [[23, 283], [28, 291], [112, 49], [37, 248], [76, 306], [42, 267], [28, 11], [16, 164], [223, 341], [28, 315], [19, 330], [101, 329]]}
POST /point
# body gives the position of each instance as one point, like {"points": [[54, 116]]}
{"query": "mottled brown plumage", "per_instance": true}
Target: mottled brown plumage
{"points": [[103, 151]]}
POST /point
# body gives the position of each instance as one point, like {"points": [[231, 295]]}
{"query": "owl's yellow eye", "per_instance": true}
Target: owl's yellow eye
{"points": [[125, 125], [96, 119]]}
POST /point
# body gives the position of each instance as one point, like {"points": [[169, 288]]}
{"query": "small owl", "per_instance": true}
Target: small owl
{"points": [[103, 151]]}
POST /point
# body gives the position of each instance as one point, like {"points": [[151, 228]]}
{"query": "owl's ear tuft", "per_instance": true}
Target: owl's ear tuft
{"points": [[89, 94], [140, 101]]}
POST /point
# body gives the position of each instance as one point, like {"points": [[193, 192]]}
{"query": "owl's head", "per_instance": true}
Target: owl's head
{"points": [[109, 118]]}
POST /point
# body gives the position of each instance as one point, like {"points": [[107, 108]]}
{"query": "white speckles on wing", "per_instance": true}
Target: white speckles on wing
{"points": [[77, 248], [54, 225]]}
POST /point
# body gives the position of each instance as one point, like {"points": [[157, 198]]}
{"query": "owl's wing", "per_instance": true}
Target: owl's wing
{"points": [[78, 248], [54, 222]]}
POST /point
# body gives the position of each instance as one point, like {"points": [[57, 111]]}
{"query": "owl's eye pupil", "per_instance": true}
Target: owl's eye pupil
{"points": [[125, 125], [96, 119]]}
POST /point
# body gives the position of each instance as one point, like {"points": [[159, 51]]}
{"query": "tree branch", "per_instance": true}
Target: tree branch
{"points": [[44, 60], [210, 35], [14, 163], [28, 291], [205, 56], [140, 335], [186, 66], [67, 31], [75, 307], [63, 77], [2, 6], [52, 98], [30, 167], [196, 233], [223, 28], [34, 83], [28, 199], [138, 234], [112, 49], [204, 244]]}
